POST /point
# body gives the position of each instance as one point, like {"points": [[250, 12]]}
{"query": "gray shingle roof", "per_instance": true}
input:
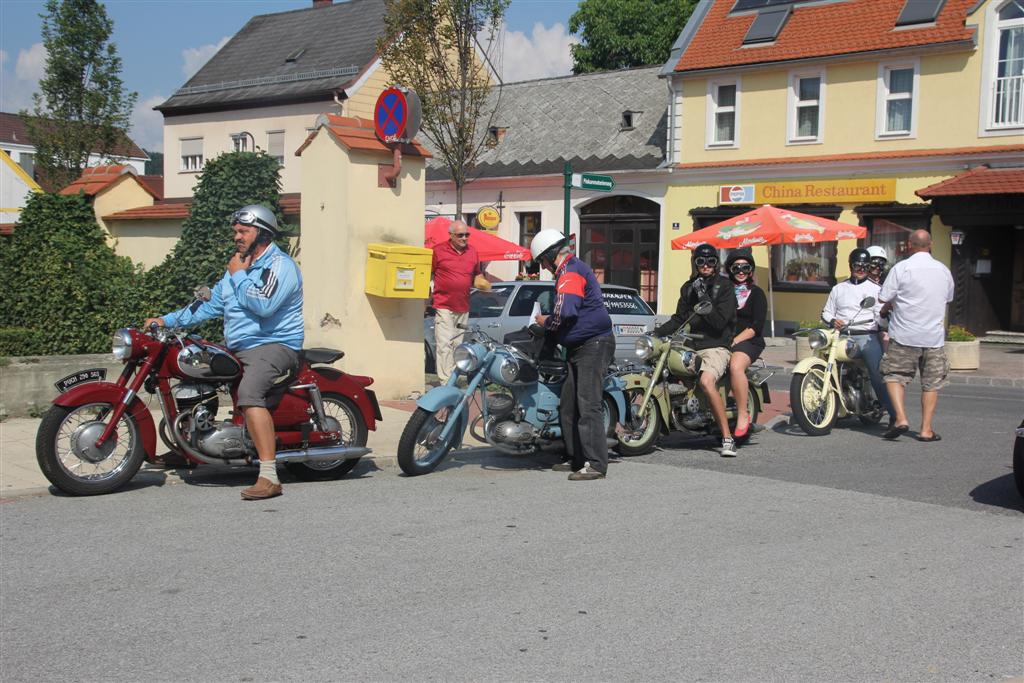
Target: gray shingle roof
{"points": [[576, 119], [339, 39]]}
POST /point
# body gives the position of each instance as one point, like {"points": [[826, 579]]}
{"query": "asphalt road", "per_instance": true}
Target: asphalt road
{"points": [[834, 558]]}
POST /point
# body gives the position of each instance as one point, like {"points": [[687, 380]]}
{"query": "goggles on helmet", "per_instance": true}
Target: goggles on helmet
{"points": [[705, 261], [878, 262], [250, 219], [738, 268]]}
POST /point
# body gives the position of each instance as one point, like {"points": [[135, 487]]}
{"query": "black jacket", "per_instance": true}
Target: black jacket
{"points": [[717, 326]]}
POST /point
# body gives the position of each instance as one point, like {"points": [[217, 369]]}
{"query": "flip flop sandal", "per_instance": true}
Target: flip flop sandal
{"points": [[894, 433], [934, 437]]}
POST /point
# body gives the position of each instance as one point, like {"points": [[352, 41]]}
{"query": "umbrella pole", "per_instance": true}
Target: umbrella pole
{"points": [[771, 293]]}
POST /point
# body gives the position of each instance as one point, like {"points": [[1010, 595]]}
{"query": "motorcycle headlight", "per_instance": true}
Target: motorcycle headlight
{"points": [[644, 347], [122, 344], [466, 358], [508, 369], [817, 339], [852, 350]]}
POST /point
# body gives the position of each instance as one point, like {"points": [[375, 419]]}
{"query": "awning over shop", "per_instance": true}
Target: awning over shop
{"points": [[980, 180]]}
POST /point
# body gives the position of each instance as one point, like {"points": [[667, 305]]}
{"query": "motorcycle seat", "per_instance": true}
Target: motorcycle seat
{"points": [[321, 355], [552, 367]]}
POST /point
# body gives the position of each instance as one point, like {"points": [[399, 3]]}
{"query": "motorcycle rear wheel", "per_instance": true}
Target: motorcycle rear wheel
{"points": [[645, 439], [816, 414], [353, 433], [420, 449], [68, 457]]}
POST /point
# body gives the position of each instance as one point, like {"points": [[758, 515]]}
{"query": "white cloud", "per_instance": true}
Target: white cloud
{"points": [[542, 54], [195, 57], [29, 67], [147, 127]]}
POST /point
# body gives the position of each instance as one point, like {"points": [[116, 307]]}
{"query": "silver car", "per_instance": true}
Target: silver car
{"points": [[506, 308]]}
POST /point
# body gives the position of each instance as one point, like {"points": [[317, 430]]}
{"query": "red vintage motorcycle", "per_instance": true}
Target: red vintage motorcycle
{"points": [[97, 434]]}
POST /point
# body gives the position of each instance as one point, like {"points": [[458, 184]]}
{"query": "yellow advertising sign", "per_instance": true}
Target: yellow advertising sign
{"points": [[488, 217], [840, 191]]}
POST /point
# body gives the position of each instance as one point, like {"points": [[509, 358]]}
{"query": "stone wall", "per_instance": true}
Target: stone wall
{"points": [[26, 383]]}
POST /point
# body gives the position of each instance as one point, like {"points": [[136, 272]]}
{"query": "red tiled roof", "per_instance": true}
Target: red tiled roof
{"points": [[819, 31], [979, 180], [177, 208], [857, 156], [155, 183], [95, 179], [357, 134], [6, 228], [12, 129]]}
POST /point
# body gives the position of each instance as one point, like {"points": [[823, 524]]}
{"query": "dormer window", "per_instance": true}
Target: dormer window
{"points": [[494, 135], [294, 56], [630, 119]]}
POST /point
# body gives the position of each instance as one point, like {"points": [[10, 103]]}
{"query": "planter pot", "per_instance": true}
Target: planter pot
{"points": [[964, 355], [803, 349]]}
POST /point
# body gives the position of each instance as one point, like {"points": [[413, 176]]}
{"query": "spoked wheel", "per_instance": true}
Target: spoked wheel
{"points": [[421, 448], [753, 410], [69, 457], [645, 437], [344, 416], [813, 402]]}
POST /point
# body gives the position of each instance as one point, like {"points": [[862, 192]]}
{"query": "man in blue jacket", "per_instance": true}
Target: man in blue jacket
{"points": [[580, 323], [260, 299]]}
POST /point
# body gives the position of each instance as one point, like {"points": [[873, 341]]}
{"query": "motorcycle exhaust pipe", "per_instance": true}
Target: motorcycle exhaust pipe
{"points": [[323, 454]]}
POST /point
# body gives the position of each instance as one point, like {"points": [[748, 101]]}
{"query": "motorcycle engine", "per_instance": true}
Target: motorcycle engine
{"points": [[688, 414], [187, 395], [511, 433], [215, 439]]}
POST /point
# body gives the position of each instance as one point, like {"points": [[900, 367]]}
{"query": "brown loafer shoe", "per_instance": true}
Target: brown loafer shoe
{"points": [[561, 467], [262, 489]]}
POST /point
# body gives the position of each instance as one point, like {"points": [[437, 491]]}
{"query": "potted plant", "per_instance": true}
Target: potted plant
{"points": [[811, 269], [963, 350], [794, 269], [803, 349]]}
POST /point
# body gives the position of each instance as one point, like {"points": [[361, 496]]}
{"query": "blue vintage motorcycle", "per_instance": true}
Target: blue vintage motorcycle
{"points": [[521, 418]]}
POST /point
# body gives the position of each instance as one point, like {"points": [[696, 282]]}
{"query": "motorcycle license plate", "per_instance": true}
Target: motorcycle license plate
{"points": [[76, 378], [629, 330]]}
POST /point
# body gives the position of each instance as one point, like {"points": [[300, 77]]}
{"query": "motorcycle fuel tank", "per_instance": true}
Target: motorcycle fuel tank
{"points": [[210, 363]]}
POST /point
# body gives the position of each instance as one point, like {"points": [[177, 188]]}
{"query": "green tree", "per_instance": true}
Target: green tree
{"points": [[81, 106], [616, 34], [441, 49], [62, 281], [155, 165], [200, 257]]}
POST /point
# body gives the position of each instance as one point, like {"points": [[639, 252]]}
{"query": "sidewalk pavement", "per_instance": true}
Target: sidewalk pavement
{"points": [[1001, 365]]}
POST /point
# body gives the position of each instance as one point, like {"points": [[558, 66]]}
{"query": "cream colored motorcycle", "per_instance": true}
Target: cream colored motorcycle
{"points": [[834, 381], [666, 396]]}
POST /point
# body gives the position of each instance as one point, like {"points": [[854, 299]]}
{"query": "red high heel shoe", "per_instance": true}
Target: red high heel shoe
{"points": [[739, 433]]}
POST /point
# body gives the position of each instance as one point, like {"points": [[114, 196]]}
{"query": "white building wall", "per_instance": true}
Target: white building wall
{"points": [[15, 187]]}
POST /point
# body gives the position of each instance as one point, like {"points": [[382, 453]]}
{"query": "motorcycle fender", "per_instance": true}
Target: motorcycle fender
{"points": [[766, 396], [440, 397], [108, 392], [338, 382], [620, 404], [660, 394], [808, 363]]}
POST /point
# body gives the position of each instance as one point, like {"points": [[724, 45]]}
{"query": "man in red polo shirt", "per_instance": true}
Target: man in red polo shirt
{"points": [[456, 266]]}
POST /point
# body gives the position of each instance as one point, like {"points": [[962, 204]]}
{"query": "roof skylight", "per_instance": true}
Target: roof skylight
{"points": [[920, 12]]}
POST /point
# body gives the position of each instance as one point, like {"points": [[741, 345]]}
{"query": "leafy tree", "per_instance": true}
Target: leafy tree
{"points": [[155, 165], [65, 289], [434, 47], [81, 106], [616, 34], [200, 257]]}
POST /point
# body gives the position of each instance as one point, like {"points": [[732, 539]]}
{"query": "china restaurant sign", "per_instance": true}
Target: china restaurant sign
{"points": [[810, 192]]}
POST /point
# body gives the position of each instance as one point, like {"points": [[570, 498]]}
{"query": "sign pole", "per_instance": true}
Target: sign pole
{"points": [[567, 185]]}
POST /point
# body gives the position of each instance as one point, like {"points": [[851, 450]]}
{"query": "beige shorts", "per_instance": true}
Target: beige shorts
{"points": [[715, 361], [900, 363]]}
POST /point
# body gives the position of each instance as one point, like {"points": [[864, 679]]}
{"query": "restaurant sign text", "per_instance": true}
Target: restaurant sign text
{"points": [[810, 192]]}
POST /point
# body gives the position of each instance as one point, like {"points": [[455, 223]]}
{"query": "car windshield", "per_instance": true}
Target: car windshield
{"points": [[523, 303], [625, 303], [489, 304]]}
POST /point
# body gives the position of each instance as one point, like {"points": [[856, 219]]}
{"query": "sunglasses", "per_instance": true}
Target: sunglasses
{"points": [[711, 261], [460, 234], [250, 219], [878, 263], [859, 266], [745, 268]]}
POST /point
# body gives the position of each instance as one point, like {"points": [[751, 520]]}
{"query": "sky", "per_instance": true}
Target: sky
{"points": [[163, 42]]}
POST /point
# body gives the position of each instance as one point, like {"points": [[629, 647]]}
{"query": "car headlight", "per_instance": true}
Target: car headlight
{"points": [[122, 344], [508, 369], [466, 358], [852, 350], [817, 339], [644, 347]]}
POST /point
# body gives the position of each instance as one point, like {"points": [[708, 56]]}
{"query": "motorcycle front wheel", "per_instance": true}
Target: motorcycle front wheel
{"points": [[644, 439], [813, 402], [342, 415], [68, 456], [421, 448]]}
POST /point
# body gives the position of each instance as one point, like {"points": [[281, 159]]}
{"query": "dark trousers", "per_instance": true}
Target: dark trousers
{"points": [[582, 405]]}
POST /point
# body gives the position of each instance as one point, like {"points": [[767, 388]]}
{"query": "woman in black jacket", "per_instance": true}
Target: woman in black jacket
{"points": [[747, 345]]}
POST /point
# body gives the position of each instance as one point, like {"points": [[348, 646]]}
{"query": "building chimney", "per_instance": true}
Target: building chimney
{"points": [[322, 3]]}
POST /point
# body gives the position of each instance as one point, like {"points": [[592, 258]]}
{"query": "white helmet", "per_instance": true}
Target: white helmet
{"points": [[545, 241], [877, 252]]}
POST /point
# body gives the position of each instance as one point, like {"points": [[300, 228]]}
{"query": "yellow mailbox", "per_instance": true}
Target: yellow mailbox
{"points": [[398, 271]]}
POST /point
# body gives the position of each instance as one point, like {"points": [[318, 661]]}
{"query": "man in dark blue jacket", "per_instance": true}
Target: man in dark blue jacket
{"points": [[580, 323]]}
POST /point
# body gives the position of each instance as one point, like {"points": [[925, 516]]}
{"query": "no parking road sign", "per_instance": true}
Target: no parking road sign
{"points": [[396, 117]]}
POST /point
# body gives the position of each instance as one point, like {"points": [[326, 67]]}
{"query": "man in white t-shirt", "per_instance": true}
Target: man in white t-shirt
{"points": [[915, 294]]}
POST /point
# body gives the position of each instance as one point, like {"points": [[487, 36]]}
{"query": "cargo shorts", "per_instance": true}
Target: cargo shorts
{"points": [[265, 366], [715, 361], [900, 363]]}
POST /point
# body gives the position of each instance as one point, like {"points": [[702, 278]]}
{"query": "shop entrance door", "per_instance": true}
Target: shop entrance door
{"points": [[620, 242]]}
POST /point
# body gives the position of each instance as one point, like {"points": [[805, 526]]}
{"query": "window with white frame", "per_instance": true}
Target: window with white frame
{"points": [[806, 107], [275, 145], [897, 100], [240, 142], [191, 154], [723, 114], [1007, 105]]}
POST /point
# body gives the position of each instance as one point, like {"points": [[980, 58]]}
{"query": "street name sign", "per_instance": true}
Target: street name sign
{"points": [[593, 181]]}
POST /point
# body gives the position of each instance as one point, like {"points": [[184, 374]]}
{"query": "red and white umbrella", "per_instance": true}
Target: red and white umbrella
{"points": [[490, 247]]}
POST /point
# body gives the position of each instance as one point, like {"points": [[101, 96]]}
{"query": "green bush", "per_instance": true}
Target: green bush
{"points": [[956, 333], [62, 281], [19, 341], [808, 325]]}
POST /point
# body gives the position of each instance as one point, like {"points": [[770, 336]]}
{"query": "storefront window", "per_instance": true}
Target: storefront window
{"points": [[805, 265], [890, 227], [529, 225]]}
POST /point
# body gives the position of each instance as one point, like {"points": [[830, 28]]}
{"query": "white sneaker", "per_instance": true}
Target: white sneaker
{"points": [[728, 448]]}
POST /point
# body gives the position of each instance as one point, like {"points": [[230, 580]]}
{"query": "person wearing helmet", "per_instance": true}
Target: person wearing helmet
{"points": [[579, 322], [843, 312], [748, 344], [876, 267], [716, 328], [260, 299]]}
